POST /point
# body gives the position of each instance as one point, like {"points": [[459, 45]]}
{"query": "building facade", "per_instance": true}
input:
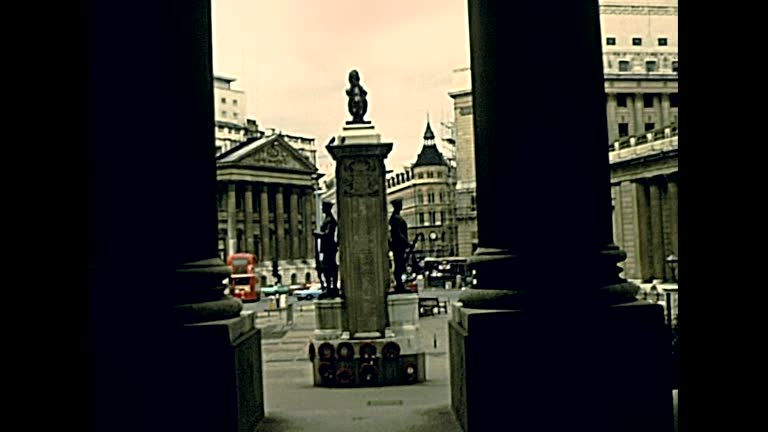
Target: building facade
{"points": [[464, 136], [232, 126], [644, 191], [426, 190], [266, 201], [640, 61], [640, 65]]}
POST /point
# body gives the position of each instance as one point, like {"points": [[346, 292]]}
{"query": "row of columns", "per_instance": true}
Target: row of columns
{"points": [[655, 225], [635, 105], [296, 246]]}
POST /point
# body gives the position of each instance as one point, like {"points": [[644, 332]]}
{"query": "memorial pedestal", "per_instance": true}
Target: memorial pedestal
{"points": [[329, 319]]}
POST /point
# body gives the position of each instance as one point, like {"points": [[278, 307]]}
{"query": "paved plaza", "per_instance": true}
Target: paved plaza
{"points": [[292, 403]]}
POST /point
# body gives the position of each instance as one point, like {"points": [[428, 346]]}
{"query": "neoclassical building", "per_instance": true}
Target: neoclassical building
{"points": [[644, 190], [266, 199], [426, 190]]}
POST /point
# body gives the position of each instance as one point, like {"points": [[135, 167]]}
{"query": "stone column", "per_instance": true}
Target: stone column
{"points": [[672, 201], [231, 218], [309, 240], [266, 251], [293, 218], [657, 230], [613, 127], [248, 212], [158, 313], [363, 231], [665, 119], [548, 285], [280, 223], [639, 107], [643, 232]]}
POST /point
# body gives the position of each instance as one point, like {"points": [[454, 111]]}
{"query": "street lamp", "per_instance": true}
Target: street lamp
{"points": [[432, 238], [672, 263]]}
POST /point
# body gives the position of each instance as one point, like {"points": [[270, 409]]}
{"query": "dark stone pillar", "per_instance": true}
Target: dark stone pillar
{"points": [[550, 325], [543, 193], [154, 262]]}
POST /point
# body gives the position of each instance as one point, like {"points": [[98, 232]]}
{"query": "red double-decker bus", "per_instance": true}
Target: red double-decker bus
{"points": [[243, 283]]}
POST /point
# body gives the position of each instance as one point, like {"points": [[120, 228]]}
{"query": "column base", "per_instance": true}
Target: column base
{"points": [[561, 369], [219, 382]]}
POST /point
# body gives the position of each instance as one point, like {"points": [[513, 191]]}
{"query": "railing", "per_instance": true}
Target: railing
{"points": [[648, 137]]}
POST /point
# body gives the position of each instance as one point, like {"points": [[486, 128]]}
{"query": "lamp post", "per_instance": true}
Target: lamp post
{"points": [[672, 263], [276, 260]]}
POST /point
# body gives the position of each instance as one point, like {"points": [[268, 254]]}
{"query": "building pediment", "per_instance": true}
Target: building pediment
{"points": [[272, 153]]}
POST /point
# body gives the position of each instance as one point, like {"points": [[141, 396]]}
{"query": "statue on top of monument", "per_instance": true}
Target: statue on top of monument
{"points": [[358, 104], [327, 266], [398, 244]]}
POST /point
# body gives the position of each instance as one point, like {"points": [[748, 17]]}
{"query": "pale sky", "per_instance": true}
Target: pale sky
{"points": [[292, 58]]}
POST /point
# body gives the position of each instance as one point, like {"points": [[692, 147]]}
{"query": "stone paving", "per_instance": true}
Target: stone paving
{"points": [[292, 403]]}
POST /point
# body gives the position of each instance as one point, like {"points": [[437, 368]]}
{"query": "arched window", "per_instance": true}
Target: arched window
{"points": [[294, 279], [263, 281], [308, 277]]}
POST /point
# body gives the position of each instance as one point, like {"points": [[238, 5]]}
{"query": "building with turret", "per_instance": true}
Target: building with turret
{"points": [[426, 190]]}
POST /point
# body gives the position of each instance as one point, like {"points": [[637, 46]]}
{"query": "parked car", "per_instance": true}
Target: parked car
{"points": [[308, 293], [274, 290]]}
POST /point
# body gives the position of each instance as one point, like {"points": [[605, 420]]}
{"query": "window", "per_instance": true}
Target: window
{"points": [[420, 198], [234, 114], [637, 41], [421, 218], [621, 100], [473, 203], [234, 102], [442, 218], [648, 100], [442, 197], [431, 197], [223, 113], [673, 100], [610, 41], [439, 174], [223, 100], [662, 41], [623, 65], [465, 110], [674, 66], [650, 66], [650, 126], [420, 175], [430, 174], [623, 129], [432, 218]]}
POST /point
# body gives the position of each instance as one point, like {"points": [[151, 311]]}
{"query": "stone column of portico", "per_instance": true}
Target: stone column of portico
{"points": [[280, 222], [665, 110], [639, 107], [549, 320], [309, 240], [248, 212], [161, 327], [657, 229], [613, 131], [672, 200], [266, 251], [231, 219], [293, 219]]}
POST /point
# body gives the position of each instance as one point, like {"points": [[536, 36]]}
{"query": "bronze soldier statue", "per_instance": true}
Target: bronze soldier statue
{"points": [[398, 244], [328, 248]]}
